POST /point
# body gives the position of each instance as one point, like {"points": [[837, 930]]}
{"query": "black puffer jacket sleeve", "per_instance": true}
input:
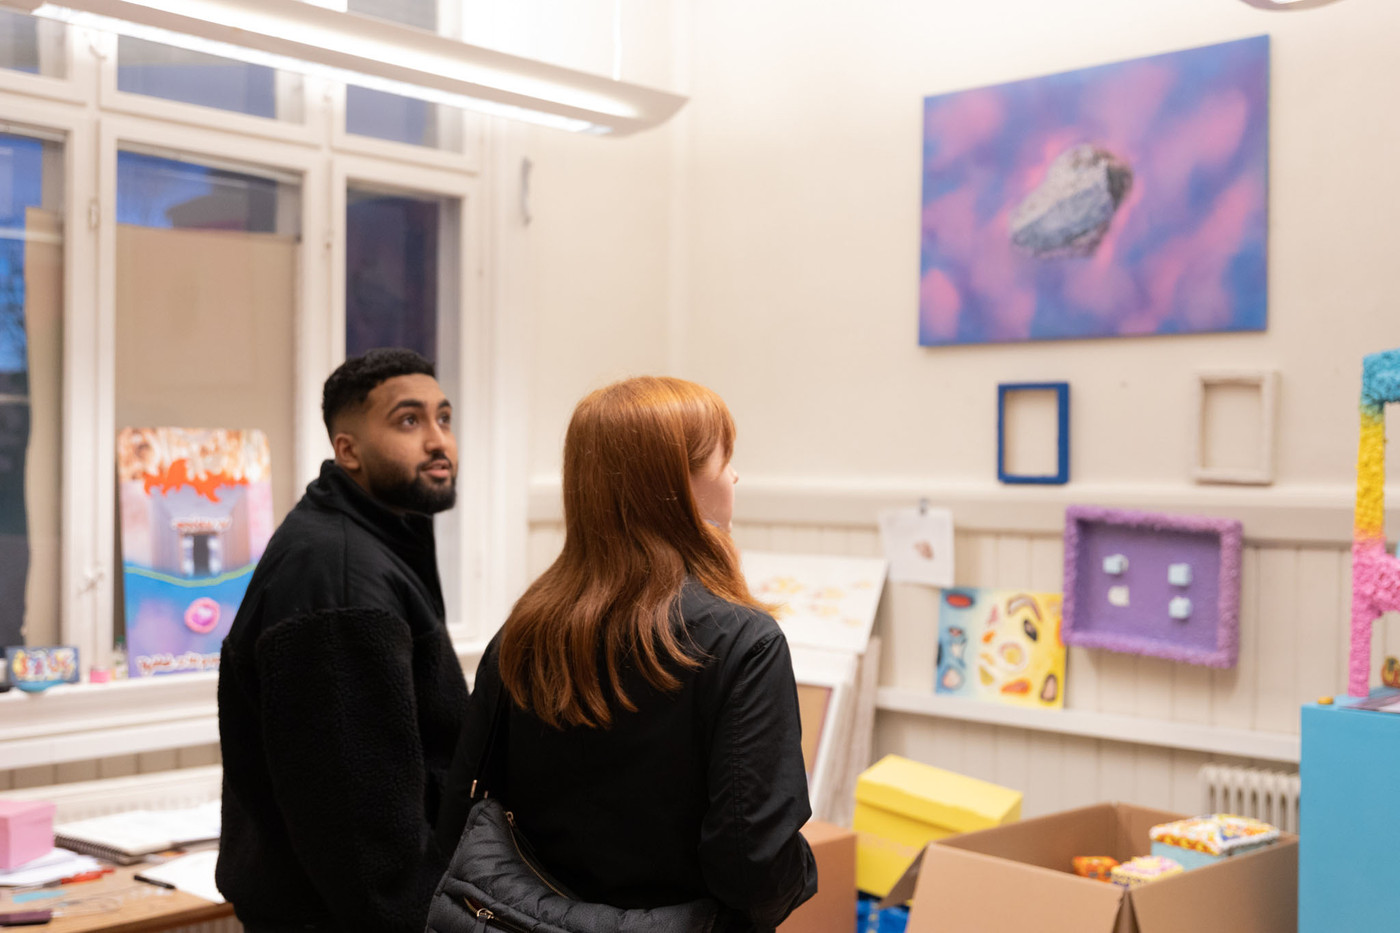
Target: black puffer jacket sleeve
{"points": [[752, 855], [346, 761]]}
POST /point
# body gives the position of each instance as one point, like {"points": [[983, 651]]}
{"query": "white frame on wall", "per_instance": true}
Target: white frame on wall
{"points": [[1261, 472]]}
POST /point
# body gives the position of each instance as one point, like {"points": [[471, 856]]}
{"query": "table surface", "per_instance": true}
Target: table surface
{"points": [[125, 906]]}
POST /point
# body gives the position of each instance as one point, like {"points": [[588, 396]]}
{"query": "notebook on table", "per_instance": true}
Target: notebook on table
{"points": [[130, 836]]}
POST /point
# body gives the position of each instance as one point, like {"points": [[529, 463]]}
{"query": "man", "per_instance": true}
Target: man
{"points": [[340, 696]]}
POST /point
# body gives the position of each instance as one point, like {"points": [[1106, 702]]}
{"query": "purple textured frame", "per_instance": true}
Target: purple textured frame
{"points": [[1125, 636]]}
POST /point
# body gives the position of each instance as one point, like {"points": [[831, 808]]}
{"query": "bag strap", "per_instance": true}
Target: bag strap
{"points": [[484, 780]]}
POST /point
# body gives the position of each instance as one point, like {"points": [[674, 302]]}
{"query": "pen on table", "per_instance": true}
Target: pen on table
{"points": [[158, 883]]}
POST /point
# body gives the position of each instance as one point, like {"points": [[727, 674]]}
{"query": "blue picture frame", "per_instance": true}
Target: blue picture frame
{"points": [[1061, 475]]}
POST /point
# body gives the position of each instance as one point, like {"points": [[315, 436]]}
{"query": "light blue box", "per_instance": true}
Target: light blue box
{"points": [[1193, 858], [1350, 820]]}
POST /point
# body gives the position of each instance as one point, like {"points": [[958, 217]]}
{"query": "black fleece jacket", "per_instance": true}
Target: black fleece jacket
{"points": [[340, 705], [698, 793]]}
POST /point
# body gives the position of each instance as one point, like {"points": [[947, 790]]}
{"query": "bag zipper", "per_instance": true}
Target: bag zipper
{"points": [[486, 915], [529, 859]]}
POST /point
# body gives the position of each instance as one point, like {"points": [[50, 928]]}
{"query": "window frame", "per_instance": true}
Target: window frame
{"points": [[85, 721], [112, 100]]}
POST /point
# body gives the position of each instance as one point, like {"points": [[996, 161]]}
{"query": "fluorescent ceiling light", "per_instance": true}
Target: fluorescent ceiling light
{"points": [[308, 39], [1287, 4]]}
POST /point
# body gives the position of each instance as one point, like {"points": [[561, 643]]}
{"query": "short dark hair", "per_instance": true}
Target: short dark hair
{"points": [[357, 377]]}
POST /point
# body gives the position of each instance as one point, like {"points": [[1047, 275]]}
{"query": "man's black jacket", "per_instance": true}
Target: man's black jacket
{"points": [[340, 704], [699, 793]]}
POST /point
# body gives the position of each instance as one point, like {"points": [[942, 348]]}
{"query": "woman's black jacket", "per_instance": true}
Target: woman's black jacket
{"points": [[700, 792]]}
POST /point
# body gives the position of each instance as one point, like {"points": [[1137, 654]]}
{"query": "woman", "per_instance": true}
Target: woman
{"points": [[652, 748]]}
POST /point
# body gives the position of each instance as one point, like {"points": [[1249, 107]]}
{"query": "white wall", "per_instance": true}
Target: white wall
{"points": [[794, 223], [804, 214], [596, 279]]}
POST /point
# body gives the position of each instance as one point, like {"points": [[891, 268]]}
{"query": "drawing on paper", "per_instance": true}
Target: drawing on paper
{"points": [[821, 602], [196, 515], [1122, 200], [1002, 646]]}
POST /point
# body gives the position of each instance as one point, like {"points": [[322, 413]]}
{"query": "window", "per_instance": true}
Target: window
{"points": [[172, 256], [31, 45], [206, 304], [151, 69], [31, 355], [389, 116], [392, 256]]}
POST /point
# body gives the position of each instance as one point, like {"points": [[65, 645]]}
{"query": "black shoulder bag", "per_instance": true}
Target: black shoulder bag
{"points": [[494, 882]]}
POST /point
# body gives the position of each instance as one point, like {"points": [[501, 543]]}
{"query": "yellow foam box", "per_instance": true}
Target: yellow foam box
{"points": [[902, 806]]}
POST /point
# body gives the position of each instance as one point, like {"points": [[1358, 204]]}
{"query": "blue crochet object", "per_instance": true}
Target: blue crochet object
{"points": [[871, 919]]}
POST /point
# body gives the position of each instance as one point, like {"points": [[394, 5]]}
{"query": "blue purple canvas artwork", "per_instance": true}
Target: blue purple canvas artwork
{"points": [[1128, 199]]}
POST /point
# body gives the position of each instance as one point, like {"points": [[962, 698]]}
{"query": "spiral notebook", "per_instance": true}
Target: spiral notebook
{"points": [[128, 837]]}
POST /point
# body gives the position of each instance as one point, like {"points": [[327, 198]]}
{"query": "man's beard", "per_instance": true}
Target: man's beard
{"points": [[413, 493]]}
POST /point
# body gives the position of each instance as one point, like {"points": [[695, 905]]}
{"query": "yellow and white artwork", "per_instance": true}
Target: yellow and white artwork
{"points": [[820, 601]]}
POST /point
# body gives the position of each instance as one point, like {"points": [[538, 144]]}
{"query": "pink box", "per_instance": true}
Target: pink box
{"points": [[26, 831]]}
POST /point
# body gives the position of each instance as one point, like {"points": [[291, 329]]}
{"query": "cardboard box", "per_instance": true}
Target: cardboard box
{"points": [[903, 805], [26, 831], [833, 908], [1017, 878]]}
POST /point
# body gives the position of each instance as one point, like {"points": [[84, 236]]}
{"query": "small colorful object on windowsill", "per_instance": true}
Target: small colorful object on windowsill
{"points": [[35, 669], [1094, 867], [1144, 869], [1205, 840]]}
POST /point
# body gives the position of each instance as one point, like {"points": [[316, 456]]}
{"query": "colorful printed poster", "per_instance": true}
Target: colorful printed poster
{"points": [[196, 515], [1002, 646], [822, 602]]}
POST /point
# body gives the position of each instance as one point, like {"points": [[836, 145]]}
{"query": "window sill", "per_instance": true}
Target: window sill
{"points": [[81, 722]]}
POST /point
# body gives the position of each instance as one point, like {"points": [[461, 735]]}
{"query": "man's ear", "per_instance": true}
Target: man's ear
{"points": [[347, 452]]}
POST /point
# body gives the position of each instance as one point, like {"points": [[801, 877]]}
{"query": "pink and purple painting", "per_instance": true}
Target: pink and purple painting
{"points": [[1128, 199]]}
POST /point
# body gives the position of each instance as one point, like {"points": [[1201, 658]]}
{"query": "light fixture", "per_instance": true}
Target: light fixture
{"points": [[292, 35], [1287, 4]]}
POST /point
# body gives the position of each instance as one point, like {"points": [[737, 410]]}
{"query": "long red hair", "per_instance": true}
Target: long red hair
{"points": [[632, 533]]}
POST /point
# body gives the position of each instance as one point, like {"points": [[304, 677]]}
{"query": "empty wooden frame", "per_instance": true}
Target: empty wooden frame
{"points": [[1255, 470]]}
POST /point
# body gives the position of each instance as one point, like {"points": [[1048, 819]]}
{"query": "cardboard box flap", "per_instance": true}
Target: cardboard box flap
{"points": [[952, 895], [1049, 841], [1135, 827], [932, 795], [1252, 893], [903, 889], [818, 832]]}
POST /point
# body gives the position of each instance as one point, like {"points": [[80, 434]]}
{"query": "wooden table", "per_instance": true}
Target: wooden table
{"points": [[140, 907]]}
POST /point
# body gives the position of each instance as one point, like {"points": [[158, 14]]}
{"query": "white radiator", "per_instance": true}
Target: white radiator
{"points": [[1271, 796], [186, 787]]}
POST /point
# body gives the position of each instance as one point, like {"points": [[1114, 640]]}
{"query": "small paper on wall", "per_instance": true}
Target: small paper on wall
{"points": [[918, 544]]}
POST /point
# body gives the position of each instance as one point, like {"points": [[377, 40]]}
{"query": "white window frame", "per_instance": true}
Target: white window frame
{"points": [[473, 595], [112, 100], [86, 721]]}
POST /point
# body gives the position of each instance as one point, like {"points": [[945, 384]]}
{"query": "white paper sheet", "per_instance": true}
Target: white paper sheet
{"points": [[193, 874], [60, 863], [919, 545]]}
